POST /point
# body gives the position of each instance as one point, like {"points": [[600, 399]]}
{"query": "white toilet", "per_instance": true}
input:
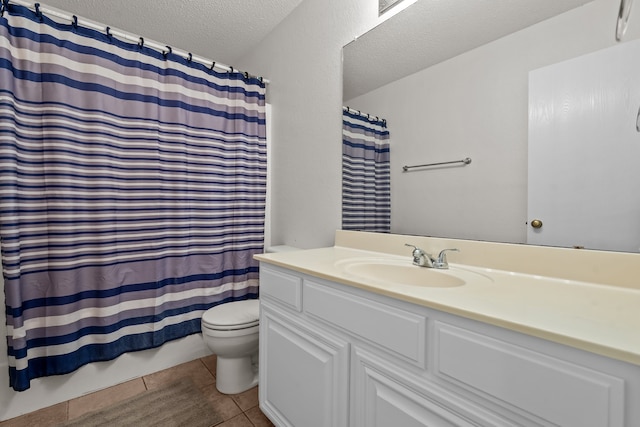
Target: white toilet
{"points": [[230, 330]]}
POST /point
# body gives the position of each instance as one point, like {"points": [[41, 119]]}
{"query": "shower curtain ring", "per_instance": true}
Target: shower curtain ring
{"points": [[75, 21], [108, 31], [167, 52], [141, 42], [190, 57], [213, 65], [38, 11]]}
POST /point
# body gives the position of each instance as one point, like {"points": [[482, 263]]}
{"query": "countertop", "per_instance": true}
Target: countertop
{"points": [[598, 318]]}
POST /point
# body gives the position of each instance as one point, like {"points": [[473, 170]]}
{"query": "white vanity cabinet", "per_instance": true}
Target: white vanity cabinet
{"points": [[304, 372], [335, 355]]}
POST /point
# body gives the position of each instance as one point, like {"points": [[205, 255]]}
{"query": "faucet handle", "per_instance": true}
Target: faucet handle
{"points": [[441, 262], [416, 250]]}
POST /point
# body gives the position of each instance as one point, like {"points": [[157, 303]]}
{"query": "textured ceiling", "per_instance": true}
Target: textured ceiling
{"points": [[432, 31], [221, 30]]}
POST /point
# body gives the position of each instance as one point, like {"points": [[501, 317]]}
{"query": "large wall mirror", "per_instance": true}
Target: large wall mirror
{"points": [[452, 79]]}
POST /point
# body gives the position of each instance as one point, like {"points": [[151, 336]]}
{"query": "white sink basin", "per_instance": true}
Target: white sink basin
{"points": [[395, 271]]}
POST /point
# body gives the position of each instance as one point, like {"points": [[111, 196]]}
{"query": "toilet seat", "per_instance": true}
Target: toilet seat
{"points": [[232, 316]]}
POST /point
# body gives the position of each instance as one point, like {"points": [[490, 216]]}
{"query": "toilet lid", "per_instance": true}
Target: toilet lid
{"points": [[233, 315]]}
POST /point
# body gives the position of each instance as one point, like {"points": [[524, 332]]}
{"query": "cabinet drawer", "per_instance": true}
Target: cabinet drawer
{"points": [[281, 287], [556, 391], [401, 332]]}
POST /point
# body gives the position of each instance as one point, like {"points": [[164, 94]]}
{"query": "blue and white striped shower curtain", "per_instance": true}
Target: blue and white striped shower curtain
{"points": [[132, 187], [366, 175]]}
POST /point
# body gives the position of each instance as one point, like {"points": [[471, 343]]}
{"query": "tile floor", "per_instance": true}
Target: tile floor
{"points": [[238, 410]]}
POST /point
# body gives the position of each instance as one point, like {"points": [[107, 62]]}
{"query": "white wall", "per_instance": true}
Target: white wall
{"points": [[302, 59], [476, 105]]}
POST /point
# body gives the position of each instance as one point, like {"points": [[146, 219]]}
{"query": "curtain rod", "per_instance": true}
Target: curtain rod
{"points": [[361, 114], [126, 36]]}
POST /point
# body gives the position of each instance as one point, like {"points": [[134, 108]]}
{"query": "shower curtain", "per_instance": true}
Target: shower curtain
{"points": [[132, 193], [366, 181]]}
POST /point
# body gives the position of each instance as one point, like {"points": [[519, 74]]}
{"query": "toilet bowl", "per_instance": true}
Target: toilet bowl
{"points": [[230, 330]]}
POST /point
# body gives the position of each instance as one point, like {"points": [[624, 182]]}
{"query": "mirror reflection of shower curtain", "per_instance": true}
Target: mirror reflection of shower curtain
{"points": [[366, 182]]}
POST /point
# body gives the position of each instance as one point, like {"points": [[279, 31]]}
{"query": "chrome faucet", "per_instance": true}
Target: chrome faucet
{"points": [[423, 259]]}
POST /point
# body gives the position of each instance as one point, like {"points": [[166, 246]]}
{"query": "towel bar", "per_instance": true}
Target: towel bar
{"points": [[465, 161]]}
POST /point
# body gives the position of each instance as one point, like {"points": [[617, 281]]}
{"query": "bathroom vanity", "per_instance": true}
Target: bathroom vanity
{"points": [[353, 337]]}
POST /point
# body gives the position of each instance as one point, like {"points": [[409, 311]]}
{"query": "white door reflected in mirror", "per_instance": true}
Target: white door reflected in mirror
{"points": [[584, 149]]}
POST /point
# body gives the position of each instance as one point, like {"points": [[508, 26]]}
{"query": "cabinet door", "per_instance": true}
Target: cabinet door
{"points": [[383, 396], [544, 389], [303, 373]]}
